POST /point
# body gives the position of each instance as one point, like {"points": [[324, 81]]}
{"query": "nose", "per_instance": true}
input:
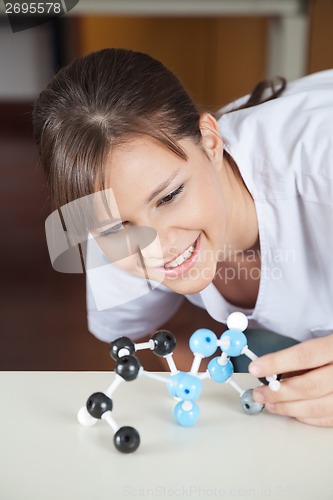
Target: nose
{"points": [[166, 242], [164, 246]]}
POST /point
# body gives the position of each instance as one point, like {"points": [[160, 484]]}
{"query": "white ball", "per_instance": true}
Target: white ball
{"points": [[237, 321], [274, 385], [85, 418]]}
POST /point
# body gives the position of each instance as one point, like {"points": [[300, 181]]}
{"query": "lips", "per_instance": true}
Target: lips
{"points": [[181, 258], [183, 262]]}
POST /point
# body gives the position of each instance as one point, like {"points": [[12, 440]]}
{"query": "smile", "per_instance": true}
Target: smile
{"points": [[183, 262], [181, 258]]}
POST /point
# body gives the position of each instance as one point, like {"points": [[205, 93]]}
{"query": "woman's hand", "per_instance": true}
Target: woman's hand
{"points": [[308, 396]]}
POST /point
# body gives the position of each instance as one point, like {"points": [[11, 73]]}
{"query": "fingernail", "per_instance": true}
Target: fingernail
{"points": [[258, 396], [270, 406], [255, 369]]}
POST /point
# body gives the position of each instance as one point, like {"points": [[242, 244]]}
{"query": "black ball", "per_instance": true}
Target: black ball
{"points": [[118, 344], [98, 403], [264, 381], [128, 367], [164, 343], [126, 439]]}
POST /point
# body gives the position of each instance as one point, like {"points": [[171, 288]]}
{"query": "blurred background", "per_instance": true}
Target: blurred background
{"points": [[220, 49]]}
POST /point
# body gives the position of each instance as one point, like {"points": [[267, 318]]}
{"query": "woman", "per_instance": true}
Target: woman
{"points": [[234, 213]]}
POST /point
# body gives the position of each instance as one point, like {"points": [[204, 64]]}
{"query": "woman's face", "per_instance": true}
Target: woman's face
{"points": [[183, 202]]}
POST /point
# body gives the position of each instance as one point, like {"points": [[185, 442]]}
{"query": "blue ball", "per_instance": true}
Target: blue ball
{"points": [[185, 386], [204, 342], [173, 384], [186, 418], [237, 342], [220, 373]]}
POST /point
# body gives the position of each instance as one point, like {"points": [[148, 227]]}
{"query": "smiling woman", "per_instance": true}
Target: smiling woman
{"points": [[217, 195], [176, 199]]}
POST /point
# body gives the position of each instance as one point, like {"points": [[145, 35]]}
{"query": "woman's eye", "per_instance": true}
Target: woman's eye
{"points": [[171, 196], [112, 230]]}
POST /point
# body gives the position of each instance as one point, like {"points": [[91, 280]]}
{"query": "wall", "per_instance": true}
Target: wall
{"points": [[320, 35], [218, 59], [25, 62]]}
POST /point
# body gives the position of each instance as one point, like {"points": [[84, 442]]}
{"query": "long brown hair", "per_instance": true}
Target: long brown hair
{"points": [[104, 99]]}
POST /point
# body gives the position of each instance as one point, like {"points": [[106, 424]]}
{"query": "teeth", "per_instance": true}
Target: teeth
{"points": [[184, 256]]}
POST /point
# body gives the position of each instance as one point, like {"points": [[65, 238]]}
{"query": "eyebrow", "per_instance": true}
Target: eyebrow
{"points": [[161, 187]]}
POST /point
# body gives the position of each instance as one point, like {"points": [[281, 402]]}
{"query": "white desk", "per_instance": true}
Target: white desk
{"points": [[47, 455]]}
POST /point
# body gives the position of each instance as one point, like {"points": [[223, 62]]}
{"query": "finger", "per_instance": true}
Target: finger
{"points": [[308, 354], [310, 385], [320, 422], [317, 408]]}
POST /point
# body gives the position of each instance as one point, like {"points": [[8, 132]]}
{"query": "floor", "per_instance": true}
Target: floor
{"points": [[43, 313]]}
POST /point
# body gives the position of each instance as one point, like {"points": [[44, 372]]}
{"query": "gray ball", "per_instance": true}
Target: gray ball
{"points": [[248, 404]]}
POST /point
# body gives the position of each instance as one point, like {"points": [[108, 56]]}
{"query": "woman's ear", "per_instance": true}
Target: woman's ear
{"points": [[211, 139]]}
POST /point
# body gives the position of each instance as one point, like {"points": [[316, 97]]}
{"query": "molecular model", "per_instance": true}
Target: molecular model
{"points": [[185, 387]]}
